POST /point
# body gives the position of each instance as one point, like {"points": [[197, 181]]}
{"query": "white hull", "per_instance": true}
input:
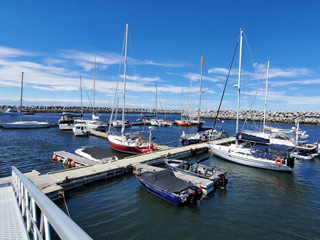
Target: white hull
{"points": [[25, 125], [242, 156], [96, 125], [66, 127], [80, 130]]}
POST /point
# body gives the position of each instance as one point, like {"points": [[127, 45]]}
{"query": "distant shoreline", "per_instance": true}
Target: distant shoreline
{"points": [[254, 115]]}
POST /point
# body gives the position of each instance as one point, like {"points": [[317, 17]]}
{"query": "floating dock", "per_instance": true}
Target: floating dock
{"points": [[53, 183]]}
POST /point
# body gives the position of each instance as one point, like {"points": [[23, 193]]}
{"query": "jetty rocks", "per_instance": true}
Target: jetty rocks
{"points": [[253, 115]]}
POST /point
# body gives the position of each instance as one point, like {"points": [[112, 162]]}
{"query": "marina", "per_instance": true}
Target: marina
{"points": [[89, 179]]}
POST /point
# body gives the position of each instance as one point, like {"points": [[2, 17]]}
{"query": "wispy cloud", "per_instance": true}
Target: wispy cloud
{"points": [[6, 52]]}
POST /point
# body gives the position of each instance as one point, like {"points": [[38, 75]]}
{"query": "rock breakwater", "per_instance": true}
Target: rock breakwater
{"points": [[254, 115]]}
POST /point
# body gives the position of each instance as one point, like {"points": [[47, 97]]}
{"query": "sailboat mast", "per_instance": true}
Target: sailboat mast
{"points": [[156, 101], [81, 97], [239, 80], [124, 82], [94, 85], [190, 101], [21, 96], [200, 93], [265, 98]]}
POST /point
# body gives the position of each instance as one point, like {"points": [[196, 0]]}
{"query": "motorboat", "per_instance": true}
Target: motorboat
{"points": [[80, 130], [97, 154], [183, 122], [66, 121], [302, 156], [12, 112], [166, 185], [218, 176]]}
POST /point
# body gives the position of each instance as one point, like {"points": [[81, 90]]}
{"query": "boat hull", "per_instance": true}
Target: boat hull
{"points": [[118, 145], [232, 156], [170, 197], [25, 125]]}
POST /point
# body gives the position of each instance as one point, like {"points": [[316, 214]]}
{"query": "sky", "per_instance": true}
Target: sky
{"points": [[54, 42]]}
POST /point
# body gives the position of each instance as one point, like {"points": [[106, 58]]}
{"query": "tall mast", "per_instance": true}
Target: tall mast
{"points": [[156, 101], [190, 101], [124, 82], [94, 84], [265, 98], [200, 93], [239, 80], [81, 97], [21, 96]]}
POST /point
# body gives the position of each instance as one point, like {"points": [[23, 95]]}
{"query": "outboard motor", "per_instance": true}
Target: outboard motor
{"points": [[195, 194], [223, 180], [290, 162]]}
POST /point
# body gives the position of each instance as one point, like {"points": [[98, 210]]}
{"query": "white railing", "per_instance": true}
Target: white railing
{"points": [[33, 202]]}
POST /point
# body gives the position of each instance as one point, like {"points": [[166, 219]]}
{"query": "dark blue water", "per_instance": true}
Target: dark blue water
{"points": [[257, 204]]}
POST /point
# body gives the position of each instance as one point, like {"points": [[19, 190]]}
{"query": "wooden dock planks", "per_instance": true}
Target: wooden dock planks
{"points": [[53, 182]]}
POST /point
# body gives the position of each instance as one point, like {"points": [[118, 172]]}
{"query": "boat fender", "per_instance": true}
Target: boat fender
{"points": [[278, 161], [73, 164], [226, 133], [54, 157]]}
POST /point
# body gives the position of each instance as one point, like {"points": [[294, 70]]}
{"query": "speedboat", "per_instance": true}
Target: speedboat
{"points": [[97, 154], [218, 176], [166, 185]]}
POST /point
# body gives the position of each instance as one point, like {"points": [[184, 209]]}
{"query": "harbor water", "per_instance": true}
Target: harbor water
{"points": [[256, 204]]}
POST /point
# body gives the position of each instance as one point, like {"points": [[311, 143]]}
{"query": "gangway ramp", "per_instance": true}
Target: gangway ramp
{"points": [[11, 222]]}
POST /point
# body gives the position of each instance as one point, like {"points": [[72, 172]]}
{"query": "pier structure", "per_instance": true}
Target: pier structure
{"points": [[53, 183]]}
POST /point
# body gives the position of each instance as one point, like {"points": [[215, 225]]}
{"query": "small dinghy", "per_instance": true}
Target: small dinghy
{"points": [[218, 176], [167, 186], [97, 154], [302, 156]]}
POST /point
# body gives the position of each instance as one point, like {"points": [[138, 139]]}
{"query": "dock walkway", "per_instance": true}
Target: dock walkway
{"points": [[11, 222], [54, 182]]}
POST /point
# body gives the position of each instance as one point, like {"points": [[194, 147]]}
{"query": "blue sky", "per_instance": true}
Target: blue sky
{"points": [[54, 42]]}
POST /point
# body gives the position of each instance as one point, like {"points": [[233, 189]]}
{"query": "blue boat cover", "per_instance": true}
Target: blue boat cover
{"points": [[251, 137], [164, 180]]}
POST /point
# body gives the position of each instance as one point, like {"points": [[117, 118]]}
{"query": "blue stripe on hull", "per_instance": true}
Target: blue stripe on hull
{"points": [[170, 197]]}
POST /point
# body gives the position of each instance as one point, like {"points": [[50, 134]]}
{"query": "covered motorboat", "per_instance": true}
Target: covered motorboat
{"points": [[97, 154], [218, 176], [167, 186]]}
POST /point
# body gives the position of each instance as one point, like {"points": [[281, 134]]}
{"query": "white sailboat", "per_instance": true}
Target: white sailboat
{"points": [[24, 124], [209, 134], [80, 127], [287, 137], [132, 143], [272, 157], [95, 123]]}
